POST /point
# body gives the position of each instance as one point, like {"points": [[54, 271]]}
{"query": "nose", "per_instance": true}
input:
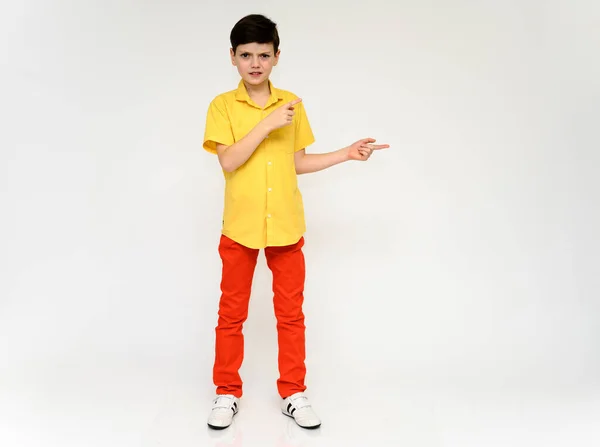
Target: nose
{"points": [[255, 62]]}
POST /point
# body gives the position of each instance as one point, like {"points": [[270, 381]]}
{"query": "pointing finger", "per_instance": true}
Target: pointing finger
{"points": [[377, 146]]}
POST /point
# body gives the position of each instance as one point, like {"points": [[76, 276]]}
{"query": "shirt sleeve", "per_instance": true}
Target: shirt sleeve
{"points": [[218, 127], [304, 134]]}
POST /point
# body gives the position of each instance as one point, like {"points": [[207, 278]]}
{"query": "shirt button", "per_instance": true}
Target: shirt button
{"points": [[269, 189], [269, 163], [269, 216]]}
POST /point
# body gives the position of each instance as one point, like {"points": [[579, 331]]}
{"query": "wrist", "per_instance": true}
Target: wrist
{"points": [[345, 153], [265, 128]]}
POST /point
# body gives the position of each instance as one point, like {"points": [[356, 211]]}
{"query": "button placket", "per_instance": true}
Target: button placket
{"points": [[269, 217]]}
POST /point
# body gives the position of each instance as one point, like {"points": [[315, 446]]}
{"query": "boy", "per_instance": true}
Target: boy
{"points": [[259, 134]]}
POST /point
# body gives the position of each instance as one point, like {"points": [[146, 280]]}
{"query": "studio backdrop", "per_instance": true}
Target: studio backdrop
{"points": [[466, 253]]}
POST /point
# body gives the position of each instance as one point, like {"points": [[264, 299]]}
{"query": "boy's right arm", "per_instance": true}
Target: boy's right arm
{"points": [[234, 156]]}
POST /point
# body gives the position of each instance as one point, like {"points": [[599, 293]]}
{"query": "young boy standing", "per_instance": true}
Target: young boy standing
{"points": [[259, 134]]}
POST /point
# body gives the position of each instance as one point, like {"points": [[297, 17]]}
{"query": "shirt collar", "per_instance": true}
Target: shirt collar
{"points": [[241, 94]]}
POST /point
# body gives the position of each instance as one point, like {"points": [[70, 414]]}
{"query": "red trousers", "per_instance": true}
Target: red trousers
{"points": [[287, 266]]}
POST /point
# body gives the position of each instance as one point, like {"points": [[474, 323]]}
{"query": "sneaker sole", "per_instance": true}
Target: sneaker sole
{"points": [[215, 427], [301, 426], [218, 427]]}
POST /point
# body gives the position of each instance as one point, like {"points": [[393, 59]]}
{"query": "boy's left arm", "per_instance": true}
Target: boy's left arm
{"points": [[361, 150]]}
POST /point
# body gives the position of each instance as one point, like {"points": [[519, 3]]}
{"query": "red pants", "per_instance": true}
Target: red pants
{"points": [[287, 265]]}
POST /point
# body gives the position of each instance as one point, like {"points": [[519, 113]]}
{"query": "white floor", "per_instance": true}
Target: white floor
{"points": [[68, 405]]}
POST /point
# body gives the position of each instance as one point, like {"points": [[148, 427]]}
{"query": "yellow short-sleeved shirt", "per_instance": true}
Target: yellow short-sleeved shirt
{"points": [[263, 205]]}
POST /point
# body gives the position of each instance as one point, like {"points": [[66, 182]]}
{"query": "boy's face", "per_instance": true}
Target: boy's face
{"points": [[255, 61]]}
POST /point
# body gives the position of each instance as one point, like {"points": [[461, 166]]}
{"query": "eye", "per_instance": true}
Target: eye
{"points": [[244, 55], [265, 56]]}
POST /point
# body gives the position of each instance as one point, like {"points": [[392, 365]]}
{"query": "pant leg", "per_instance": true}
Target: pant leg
{"points": [[288, 268], [239, 263]]}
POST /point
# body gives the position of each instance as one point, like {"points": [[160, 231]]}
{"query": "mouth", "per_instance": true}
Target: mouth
{"points": [[255, 74]]}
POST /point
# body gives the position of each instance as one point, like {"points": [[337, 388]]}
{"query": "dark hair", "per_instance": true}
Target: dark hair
{"points": [[254, 28]]}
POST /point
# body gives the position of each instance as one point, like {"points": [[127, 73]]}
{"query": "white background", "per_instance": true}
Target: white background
{"points": [[465, 257]]}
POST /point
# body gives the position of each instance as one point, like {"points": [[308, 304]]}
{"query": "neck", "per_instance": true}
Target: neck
{"points": [[258, 90]]}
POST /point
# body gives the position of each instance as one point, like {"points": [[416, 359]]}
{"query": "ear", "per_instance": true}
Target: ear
{"points": [[276, 58], [232, 55]]}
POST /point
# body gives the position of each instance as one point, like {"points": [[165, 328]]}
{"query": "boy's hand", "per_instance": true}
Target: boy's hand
{"points": [[362, 149], [281, 116]]}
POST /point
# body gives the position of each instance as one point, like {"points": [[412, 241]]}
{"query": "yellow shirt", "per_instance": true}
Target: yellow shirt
{"points": [[263, 205]]}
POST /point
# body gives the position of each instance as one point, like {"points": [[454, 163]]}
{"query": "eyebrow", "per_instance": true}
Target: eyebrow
{"points": [[249, 52]]}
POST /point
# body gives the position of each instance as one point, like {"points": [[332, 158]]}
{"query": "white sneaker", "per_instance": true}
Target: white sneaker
{"points": [[298, 407], [225, 407]]}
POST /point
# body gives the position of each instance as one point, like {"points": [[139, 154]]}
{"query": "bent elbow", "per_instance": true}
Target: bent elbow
{"points": [[299, 167], [224, 158], [226, 164]]}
